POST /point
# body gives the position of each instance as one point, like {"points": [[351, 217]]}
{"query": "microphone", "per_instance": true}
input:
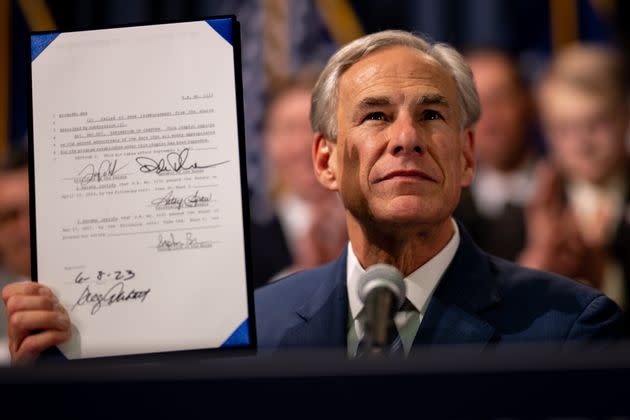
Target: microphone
{"points": [[382, 291]]}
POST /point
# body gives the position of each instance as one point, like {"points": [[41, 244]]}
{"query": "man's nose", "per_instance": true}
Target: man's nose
{"points": [[406, 137]]}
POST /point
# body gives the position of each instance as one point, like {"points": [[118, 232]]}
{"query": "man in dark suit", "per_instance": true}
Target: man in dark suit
{"points": [[394, 118], [305, 224], [492, 209]]}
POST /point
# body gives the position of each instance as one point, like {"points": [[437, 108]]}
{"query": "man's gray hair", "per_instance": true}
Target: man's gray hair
{"points": [[326, 90]]}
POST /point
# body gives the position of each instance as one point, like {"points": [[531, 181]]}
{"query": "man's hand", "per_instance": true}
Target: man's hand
{"points": [[554, 241], [549, 223], [37, 320]]}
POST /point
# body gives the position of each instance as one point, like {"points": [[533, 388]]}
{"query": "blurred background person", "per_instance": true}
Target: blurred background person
{"points": [[581, 216], [492, 209], [15, 250], [307, 226]]}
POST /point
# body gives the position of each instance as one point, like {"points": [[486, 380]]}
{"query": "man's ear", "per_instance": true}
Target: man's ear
{"points": [[325, 162], [468, 156]]}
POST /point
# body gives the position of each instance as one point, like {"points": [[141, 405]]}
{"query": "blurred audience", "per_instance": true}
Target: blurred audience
{"points": [[492, 209], [15, 250], [569, 214], [307, 227], [579, 221]]}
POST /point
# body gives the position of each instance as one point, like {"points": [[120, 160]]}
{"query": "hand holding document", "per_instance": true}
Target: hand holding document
{"points": [[138, 187]]}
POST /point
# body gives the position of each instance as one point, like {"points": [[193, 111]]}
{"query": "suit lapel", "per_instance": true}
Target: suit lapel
{"points": [[453, 315], [325, 314], [446, 323], [467, 288]]}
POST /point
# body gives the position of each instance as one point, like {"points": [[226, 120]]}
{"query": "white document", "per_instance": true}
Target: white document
{"points": [[137, 187]]}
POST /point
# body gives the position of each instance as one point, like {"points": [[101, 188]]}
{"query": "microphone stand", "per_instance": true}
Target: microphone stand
{"points": [[378, 322]]}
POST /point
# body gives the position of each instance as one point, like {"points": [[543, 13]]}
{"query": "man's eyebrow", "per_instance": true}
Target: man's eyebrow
{"points": [[375, 101], [435, 99], [372, 101], [368, 103]]}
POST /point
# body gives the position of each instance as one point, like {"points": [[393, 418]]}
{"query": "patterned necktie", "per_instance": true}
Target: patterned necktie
{"points": [[395, 347]]}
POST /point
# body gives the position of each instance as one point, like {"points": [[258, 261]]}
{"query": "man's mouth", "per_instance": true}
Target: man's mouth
{"points": [[410, 174]]}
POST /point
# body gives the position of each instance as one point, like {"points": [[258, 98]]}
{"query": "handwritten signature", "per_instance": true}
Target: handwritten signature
{"points": [[116, 294], [106, 171], [171, 243], [174, 162], [171, 201]]}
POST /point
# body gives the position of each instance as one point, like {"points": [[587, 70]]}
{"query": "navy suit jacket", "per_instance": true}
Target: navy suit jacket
{"points": [[480, 300]]}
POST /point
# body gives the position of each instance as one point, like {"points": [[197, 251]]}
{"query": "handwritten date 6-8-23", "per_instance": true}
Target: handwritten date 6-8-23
{"points": [[103, 276]]}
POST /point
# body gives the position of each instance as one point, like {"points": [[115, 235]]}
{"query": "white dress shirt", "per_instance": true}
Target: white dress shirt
{"points": [[493, 190], [295, 216], [420, 287], [588, 201]]}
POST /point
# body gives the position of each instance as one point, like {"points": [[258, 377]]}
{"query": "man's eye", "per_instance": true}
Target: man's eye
{"points": [[375, 116], [430, 114]]}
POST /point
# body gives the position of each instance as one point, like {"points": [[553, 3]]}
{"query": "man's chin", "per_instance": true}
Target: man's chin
{"points": [[404, 220], [414, 209]]}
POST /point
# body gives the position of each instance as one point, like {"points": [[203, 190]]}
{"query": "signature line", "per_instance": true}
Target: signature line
{"points": [[164, 230], [212, 165]]}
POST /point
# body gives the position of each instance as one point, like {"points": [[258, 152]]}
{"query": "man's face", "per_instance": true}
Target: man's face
{"points": [[501, 132], [288, 142], [586, 133], [15, 248], [400, 158]]}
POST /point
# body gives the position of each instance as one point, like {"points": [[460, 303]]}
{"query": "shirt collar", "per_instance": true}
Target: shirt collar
{"points": [[493, 189], [295, 217], [420, 284]]}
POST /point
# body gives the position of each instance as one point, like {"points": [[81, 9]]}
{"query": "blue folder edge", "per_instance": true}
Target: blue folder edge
{"points": [[223, 27], [39, 43], [240, 336]]}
